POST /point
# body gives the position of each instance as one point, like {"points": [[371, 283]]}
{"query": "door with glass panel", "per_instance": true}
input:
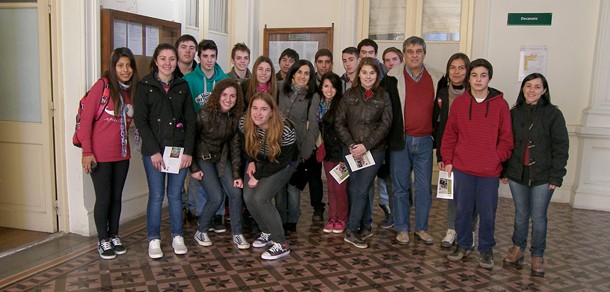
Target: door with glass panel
{"points": [[27, 179]]}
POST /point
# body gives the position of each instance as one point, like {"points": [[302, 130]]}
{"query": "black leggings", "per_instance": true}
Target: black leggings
{"points": [[108, 181]]}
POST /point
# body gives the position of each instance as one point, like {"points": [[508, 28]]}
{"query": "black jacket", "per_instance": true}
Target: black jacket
{"points": [[441, 111], [332, 144], [217, 141], [367, 122], [164, 119], [548, 147]]}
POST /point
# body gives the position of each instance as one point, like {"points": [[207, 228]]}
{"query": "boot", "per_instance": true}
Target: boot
{"points": [[514, 258], [388, 221], [538, 266]]}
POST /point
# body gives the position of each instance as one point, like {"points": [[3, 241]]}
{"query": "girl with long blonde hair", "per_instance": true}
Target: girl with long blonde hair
{"points": [[271, 151]]}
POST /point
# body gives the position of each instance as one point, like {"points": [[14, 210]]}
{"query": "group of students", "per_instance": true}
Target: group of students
{"points": [[260, 137]]}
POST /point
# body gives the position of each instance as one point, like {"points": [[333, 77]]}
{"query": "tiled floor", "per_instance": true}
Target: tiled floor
{"points": [[578, 259]]}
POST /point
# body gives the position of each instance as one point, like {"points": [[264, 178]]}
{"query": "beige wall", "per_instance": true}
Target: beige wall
{"points": [[570, 42]]}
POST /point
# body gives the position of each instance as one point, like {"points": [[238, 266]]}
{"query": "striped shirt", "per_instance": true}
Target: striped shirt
{"points": [[289, 136]]}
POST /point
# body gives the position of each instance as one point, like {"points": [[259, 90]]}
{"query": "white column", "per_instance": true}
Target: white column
{"points": [[593, 183]]}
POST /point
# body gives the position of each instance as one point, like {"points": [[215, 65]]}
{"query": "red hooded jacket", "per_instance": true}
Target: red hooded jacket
{"points": [[478, 137]]}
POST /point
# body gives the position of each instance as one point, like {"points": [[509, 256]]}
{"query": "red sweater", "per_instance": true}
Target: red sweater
{"points": [[478, 136], [102, 138], [419, 105]]}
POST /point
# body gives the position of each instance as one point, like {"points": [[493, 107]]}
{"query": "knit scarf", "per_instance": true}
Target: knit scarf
{"points": [[454, 91], [123, 113]]}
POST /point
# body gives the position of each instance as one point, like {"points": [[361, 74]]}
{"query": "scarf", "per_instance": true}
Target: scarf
{"points": [[123, 113], [298, 89], [324, 106], [368, 94], [263, 88]]}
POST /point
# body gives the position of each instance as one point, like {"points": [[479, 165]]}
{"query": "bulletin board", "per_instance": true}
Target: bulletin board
{"points": [[305, 40], [139, 33]]}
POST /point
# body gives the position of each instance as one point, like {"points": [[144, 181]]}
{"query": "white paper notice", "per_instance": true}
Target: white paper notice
{"points": [[306, 49], [120, 34], [172, 156], [152, 39], [134, 38], [532, 59], [445, 186]]}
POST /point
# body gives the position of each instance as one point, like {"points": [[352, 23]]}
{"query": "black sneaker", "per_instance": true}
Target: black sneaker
{"points": [[318, 215], [276, 251], [105, 250], [190, 216], [262, 241], [366, 232], [387, 222], [458, 254], [487, 259], [219, 226], [117, 246], [353, 238]]}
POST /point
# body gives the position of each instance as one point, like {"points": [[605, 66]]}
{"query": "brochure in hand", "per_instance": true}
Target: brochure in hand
{"points": [[364, 161], [445, 185], [172, 156], [340, 172]]}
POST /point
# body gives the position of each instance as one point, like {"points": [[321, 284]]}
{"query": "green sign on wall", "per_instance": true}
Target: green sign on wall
{"points": [[530, 18]]}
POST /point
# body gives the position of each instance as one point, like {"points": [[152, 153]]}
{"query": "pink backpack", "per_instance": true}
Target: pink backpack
{"points": [[81, 105]]}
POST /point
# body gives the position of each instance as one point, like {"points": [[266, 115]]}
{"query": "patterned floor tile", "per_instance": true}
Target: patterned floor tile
{"points": [[577, 259]]}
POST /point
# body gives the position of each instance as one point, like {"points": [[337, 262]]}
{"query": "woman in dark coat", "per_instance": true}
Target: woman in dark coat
{"points": [[536, 167]]}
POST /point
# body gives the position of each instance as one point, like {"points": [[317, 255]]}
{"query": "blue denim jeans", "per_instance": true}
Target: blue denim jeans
{"points": [[530, 202], [451, 215], [358, 191], [258, 200], [416, 157], [156, 192], [288, 203], [200, 197], [384, 197], [197, 195], [482, 192], [382, 188], [215, 187]]}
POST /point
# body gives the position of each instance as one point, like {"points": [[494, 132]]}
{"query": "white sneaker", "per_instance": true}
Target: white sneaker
{"points": [[202, 238], [449, 238], [178, 245], [240, 241], [154, 249]]}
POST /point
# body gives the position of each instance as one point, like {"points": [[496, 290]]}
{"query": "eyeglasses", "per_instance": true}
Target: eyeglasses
{"points": [[417, 52]]}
